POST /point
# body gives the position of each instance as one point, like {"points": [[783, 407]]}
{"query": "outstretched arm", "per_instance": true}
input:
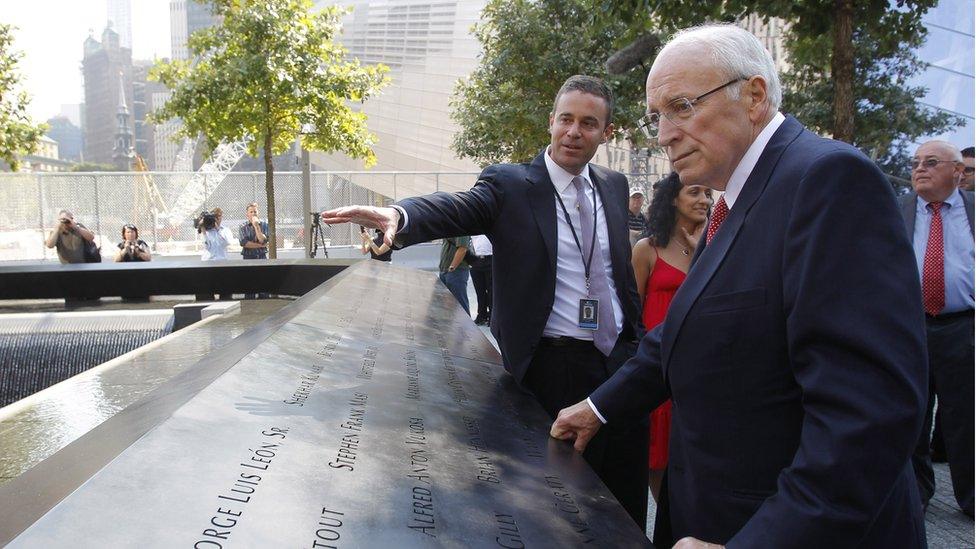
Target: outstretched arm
{"points": [[386, 220]]}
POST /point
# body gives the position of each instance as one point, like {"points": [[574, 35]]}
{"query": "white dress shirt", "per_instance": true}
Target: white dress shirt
{"points": [[480, 245], [750, 159], [570, 275]]}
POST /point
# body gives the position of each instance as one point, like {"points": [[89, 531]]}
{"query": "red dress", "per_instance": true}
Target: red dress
{"points": [[662, 284]]}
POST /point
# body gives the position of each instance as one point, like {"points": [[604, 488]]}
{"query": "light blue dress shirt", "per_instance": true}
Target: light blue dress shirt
{"points": [[957, 242]]}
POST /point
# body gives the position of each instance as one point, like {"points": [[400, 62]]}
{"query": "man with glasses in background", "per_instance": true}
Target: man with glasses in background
{"points": [[967, 171], [939, 218], [794, 351]]}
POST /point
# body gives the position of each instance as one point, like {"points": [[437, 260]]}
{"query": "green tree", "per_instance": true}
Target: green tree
{"points": [[529, 48], [18, 134], [269, 70], [94, 167], [850, 62]]}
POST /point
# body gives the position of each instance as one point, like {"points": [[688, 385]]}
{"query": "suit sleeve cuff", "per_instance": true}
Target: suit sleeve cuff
{"points": [[404, 219], [595, 411]]}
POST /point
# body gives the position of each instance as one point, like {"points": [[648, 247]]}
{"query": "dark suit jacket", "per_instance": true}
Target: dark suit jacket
{"points": [[514, 205], [909, 201], [795, 356]]}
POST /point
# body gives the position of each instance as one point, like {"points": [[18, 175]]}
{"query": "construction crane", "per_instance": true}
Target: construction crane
{"points": [[205, 180], [146, 196]]}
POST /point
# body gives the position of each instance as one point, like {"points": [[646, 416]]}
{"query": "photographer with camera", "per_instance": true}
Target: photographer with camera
{"points": [[254, 240], [132, 248], [215, 241], [215, 238], [71, 239], [374, 246]]}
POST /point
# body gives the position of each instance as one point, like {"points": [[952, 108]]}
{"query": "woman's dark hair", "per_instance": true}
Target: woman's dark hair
{"points": [[132, 227], [661, 214]]}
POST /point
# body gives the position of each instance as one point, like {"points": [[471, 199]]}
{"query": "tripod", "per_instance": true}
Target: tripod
{"points": [[315, 233]]}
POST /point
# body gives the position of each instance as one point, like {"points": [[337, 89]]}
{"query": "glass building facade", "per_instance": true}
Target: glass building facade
{"points": [[948, 52]]}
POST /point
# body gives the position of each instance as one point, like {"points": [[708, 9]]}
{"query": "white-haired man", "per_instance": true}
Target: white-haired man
{"points": [[939, 219], [794, 352]]}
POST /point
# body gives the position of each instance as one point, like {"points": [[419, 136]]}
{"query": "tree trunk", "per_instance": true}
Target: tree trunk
{"points": [[842, 70], [269, 190]]}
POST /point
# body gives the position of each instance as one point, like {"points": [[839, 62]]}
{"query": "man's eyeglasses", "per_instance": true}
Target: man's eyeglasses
{"points": [[928, 163], [677, 112]]}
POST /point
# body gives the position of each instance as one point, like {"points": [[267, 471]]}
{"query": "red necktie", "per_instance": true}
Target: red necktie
{"points": [[933, 267], [719, 214]]}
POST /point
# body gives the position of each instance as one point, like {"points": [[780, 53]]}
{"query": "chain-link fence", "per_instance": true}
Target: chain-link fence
{"points": [[104, 202]]}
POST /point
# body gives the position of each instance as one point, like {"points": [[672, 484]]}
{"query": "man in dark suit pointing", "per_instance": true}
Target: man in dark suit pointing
{"points": [[794, 352], [565, 307]]}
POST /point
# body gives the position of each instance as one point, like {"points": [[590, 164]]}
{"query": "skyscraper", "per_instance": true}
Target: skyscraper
{"points": [[120, 16], [428, 46], [185, 18], [68, 136], [177, 29], [104, 64]]}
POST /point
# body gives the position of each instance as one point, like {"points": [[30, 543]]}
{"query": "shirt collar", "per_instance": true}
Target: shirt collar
{"points": [[954, 200], [750, 159], [561, 179]]}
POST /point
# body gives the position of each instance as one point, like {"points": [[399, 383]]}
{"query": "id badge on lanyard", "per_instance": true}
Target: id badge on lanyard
{"points": [[589, 308]]}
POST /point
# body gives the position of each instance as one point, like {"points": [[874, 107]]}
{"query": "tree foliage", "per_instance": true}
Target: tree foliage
{"points": [[269, 70], [883, 113], [529, 48], [18, 134]]}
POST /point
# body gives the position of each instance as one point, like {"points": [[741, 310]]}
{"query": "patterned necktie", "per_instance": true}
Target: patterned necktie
{"points": [[719, 214], [605, 336], [933, 267]]}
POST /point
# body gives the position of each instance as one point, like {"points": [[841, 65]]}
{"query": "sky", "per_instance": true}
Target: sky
{"points": [[51, 34]]}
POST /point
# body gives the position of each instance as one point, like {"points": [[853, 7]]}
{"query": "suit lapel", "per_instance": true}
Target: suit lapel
{"points": [[541, 203], [908, 208], [967, 202], [711, 257]]}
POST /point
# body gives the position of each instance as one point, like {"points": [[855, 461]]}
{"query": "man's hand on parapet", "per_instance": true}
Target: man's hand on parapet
{"points": [[384, 219], [578, 422]]}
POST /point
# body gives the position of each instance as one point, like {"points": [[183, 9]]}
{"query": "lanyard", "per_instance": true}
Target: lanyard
{"points": [[587, 261]]}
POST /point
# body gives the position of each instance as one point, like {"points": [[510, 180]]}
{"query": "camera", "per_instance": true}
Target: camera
{"points": [[362, 229], [205, 221], [65, 220]]}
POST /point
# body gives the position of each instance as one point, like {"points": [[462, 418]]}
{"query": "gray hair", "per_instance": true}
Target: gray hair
{"points": [[735, 51], [954, 154]]}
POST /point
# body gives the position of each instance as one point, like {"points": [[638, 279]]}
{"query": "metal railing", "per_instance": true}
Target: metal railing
{"points": [[105, 201]]}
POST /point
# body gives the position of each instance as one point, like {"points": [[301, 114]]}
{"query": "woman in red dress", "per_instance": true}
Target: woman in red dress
{"points": [[676, 220]]}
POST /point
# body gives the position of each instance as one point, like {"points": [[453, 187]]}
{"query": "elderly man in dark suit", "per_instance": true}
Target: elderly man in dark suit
{"points": [[565, 307], [794, 352], [939, 218]]}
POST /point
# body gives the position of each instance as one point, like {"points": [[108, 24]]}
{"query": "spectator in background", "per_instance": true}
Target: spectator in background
{"points": [[374, 246], [132, 248], [676, 220], [215, 237], [454, 271], [215, 241], [635, 219], [254, 240], [70, 238], [967, 171], [479, 257], [939, 219]]}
